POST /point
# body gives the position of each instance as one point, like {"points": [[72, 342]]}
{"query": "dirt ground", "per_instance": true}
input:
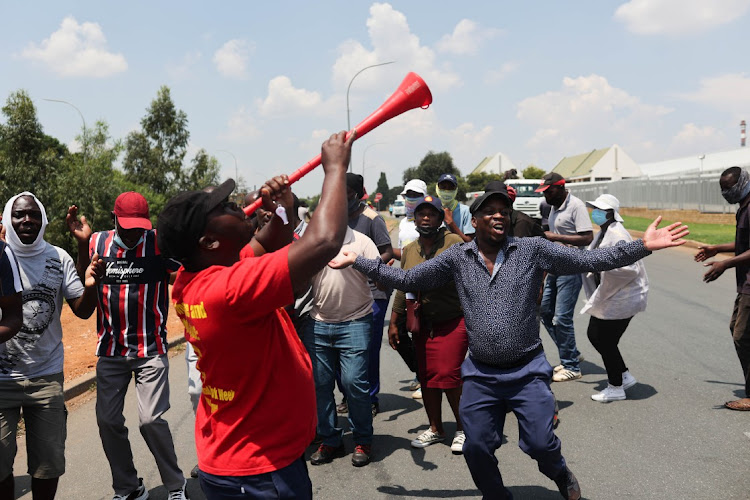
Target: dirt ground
{"points": [[79, 340]]}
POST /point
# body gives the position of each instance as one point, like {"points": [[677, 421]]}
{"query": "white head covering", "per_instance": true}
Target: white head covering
{"points": [[607, 202], [19, 248]]}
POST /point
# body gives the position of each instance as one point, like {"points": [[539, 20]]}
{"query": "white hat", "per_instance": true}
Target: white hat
{"points": [[415, 185], [607, 202]]}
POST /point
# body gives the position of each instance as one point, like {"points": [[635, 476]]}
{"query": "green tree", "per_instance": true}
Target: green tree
{"points": [[204, 171], [533, 172], [29, 159], [154, 156], [432, 166], [393, 192], [383, 189]]}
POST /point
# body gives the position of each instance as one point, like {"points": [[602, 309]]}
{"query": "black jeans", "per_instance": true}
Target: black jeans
{"points": [[604, 335]]}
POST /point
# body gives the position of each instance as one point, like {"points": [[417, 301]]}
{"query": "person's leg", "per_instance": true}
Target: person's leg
{"points": [[352, 339], [11, 400], [112, 379], [152, 391], [454, 399], [195, 384], [45, 417], [741, 337], [568, 289], [547, 307], [605, 335], [318, 340], [534, 407], [433, 399], [379, 307], [482, 413]]}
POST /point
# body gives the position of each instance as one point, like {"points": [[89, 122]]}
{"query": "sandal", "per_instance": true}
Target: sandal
{"points": [[739, 404]]}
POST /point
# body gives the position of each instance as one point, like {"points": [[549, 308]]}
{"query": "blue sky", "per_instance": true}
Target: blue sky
{"points": [[267, 80]]}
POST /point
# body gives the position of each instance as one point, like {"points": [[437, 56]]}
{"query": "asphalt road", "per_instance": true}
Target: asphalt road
{"points": [[670, 440]]}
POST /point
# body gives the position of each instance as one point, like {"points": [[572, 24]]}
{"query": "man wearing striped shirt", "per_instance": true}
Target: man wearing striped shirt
{"points": [[132, 343]]}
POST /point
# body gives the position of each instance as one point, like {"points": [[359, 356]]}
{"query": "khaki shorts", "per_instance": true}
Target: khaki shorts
{"points": [[45, 416]]}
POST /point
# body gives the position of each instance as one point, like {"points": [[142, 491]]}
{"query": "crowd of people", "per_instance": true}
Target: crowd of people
{"points": [[307, 297]]}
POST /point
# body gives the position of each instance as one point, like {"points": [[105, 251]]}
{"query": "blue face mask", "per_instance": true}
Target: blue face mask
{"points": [[599, 217], [121, 244]]}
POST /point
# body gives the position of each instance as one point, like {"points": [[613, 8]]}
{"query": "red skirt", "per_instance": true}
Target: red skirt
{"points": [[439, 357]]}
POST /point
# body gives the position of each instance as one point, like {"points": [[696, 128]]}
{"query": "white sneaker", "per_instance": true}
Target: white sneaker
{"points": [[610, 393], [179, 494], [565, 375], [457, 446], [628, 380], [427, 438], [417, 394], [139, 494]]}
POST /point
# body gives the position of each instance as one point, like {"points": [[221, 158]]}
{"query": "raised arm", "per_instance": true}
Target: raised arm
{"points": [[275, 234], [81, 231], [324, 235], [85, 305]]}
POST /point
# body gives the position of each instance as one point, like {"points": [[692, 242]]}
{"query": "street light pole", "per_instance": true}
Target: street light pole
{"points": [[236, 177], [84, 125], [348, 123]]}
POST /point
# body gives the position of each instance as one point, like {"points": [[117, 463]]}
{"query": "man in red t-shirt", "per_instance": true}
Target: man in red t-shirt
{"points": [[230, 295]]}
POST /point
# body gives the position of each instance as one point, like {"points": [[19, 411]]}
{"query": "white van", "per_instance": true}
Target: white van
{"points": [[399, 208], [527, 200]]}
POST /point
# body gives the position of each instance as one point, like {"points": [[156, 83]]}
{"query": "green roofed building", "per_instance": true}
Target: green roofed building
{"points": [[608, 164], [497, 164]]}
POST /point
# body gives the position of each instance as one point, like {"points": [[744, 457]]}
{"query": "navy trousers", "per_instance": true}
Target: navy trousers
{"points": [[488, 393]]}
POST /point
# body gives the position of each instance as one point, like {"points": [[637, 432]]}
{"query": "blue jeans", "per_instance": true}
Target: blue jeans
{"points": [[344, 346], [488, 393], [558, 305]]}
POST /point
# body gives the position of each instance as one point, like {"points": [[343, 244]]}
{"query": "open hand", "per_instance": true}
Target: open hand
{"points": [[448, 216], [78, 227], [95, 271], [343, 260], [705, 252], [716, 269], [665, 237]]}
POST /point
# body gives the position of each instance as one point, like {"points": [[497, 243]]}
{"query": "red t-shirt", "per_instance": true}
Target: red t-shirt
{"points": [[257, 410]]}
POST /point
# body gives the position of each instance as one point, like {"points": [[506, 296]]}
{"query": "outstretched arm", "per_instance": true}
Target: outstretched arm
{"points": [[80, 230]]}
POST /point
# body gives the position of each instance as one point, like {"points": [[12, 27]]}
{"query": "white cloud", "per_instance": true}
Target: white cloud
{"points": [[283, 98], [184, 69], [585, 114], [679, 17], [497, 75], [690, 134], [231, 59], [76, 50], [391, 40], [729, 93], [241, 126], [466, 38]]}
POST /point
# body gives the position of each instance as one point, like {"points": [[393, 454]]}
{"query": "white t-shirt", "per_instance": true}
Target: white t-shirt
{"points": [[407, 232], [37, 350], [343, 294]]}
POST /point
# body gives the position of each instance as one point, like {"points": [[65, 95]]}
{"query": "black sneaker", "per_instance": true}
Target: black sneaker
{"points": [[343, 408], [361, 455], [568, 485], [194, 472], [375, 409], [325, 454]]}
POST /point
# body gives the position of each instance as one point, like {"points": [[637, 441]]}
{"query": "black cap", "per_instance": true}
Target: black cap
{"points": [[356, 183], [183, 220], [551, 179], [492, 188]]}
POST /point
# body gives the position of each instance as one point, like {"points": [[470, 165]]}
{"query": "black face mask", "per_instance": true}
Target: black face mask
{"points": [[353, 205], [427, 231]]}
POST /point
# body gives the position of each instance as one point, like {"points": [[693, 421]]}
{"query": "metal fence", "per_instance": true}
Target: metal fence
{"points": [[698, 191]]}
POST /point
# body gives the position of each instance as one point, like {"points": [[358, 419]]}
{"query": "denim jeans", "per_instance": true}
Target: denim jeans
{"points": [[558, 305], [344, 346]]}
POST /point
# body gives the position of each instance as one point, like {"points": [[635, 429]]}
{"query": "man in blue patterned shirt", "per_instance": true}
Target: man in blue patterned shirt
{"points": [[498, 278]]}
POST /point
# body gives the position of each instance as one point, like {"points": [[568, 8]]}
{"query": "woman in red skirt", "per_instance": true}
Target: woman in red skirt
{"points": [[441, 342]]}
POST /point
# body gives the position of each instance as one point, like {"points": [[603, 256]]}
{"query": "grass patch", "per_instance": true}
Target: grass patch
{"points": [[712, 234]]}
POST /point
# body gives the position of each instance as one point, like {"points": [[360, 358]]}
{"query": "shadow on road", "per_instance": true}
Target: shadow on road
{"points": [[401, 405], [400, 491], [22, 485]]}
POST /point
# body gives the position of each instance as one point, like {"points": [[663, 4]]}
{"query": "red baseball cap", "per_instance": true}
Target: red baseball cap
{"points": [[551, 179], [131, 210]]}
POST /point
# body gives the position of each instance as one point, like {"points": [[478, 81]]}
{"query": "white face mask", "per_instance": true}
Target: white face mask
{"points": [[121, 244]]}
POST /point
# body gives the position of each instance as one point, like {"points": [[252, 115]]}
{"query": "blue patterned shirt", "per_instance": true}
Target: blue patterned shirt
{"points": [[500, 310]]}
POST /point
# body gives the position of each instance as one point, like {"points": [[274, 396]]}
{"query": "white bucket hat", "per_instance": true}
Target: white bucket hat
{"points": [[607, 202], [415, 185]]}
